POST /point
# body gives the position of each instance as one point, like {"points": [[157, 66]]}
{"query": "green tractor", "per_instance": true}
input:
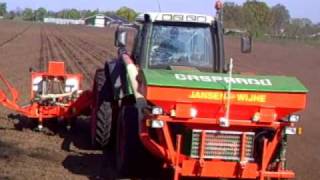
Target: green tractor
{"points": [[172, 103]]}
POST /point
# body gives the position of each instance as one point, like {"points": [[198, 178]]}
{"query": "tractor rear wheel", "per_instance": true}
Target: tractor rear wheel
{"points": [[103, 124], [102, 111]]}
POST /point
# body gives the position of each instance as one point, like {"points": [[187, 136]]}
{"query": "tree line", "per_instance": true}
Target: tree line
{"points": [[39, 14], [257, 18], [253, 16]]}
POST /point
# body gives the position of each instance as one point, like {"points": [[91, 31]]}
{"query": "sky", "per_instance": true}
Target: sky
{"points": [[297, 8]]}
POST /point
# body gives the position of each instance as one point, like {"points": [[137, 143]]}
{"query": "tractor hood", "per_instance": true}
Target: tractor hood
{"points": [[218, 81]]}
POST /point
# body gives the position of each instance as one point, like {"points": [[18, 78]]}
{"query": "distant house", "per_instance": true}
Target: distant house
{"points": [[101, 20], [97, 20], [1, 17], [63, 21], [315, 35]]}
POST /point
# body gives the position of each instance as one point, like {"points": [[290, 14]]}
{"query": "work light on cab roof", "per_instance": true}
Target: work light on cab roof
{"points": [[219, 5], [175, 17]]}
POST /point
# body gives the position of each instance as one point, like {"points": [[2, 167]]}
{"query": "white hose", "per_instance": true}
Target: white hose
{"points": [[225, 121]]}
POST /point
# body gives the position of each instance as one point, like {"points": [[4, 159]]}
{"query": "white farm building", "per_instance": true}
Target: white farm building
{"points": [[63, 21], [101, 20], [96, 20]]}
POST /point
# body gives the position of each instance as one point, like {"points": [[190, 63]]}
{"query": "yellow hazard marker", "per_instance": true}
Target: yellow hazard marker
{"points": [[148, 123], [300, 130]]}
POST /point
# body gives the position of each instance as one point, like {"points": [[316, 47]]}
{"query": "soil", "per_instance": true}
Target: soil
{"points": [[67, 154], [303, 62]]}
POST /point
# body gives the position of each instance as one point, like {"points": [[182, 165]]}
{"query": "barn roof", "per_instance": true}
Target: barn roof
{"points": [[109, 17]]}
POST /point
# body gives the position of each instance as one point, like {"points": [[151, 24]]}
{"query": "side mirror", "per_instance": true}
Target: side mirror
{"points": [[120, 38], [246, 44]]}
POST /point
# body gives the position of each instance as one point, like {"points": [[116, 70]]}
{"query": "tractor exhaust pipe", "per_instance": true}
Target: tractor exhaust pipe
{"points": [[220, 67]]}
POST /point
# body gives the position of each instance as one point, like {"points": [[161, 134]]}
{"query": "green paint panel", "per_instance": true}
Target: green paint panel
{"points": [[218, 81]]}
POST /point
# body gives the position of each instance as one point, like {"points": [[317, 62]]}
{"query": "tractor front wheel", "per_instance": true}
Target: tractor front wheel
{"points": [[132, 158], [128, 146]]}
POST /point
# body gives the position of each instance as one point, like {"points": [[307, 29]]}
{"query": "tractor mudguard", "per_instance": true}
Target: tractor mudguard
{"points": [[116, 75]]}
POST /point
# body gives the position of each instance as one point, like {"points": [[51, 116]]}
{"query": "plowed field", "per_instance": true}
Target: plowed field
{"points": [[25, 154]]}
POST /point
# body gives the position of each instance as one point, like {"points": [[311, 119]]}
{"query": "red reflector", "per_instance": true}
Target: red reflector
{"points": [[183, 110], [267, 115]]}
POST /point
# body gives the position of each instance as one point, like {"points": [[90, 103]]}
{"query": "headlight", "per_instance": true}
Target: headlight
{"points": [[290, 131], [202, 19], [191, 18], [167, 17], [294, 118], [157, 111], [193, 112], [178, 17], [256, 117], [157, 124]]}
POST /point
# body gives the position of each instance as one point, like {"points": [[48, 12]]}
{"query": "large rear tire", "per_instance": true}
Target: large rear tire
{"points": [[102, 111], [109, 86], [104, 124]]}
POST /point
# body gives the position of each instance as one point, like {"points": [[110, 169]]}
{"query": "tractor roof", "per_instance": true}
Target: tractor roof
{"points": [[175, 17]]}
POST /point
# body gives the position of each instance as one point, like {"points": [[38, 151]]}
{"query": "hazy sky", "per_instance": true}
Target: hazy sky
{"points": [[297, 8]]}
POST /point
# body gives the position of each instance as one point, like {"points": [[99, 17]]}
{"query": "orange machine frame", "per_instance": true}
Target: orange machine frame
{"points": [[184, 165], [56, 69]]}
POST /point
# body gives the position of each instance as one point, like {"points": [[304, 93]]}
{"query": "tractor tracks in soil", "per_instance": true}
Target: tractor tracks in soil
{"points": [[45, 51], [14, 37]]}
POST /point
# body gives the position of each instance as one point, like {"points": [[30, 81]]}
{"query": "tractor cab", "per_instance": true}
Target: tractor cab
{"points": [[178, 41]]}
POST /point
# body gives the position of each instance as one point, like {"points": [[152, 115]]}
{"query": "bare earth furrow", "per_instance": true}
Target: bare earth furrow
{"points": [[61, 55], [73, 59], [7, 42], [44, 54], [54, 53], [94, 60], [98, 50], [93, 57]]}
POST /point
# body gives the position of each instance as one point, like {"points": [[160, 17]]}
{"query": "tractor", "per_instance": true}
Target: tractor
{"points": [[174, 105], [173, 101]]}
